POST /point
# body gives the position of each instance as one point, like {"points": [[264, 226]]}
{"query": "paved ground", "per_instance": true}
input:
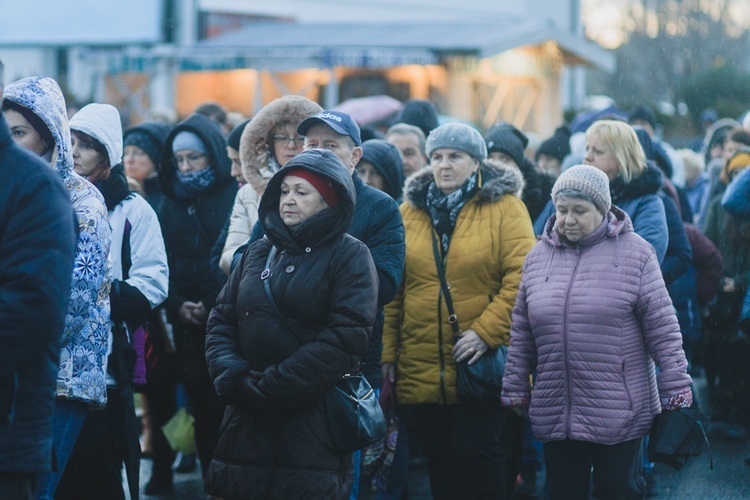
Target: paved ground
{"points": [[729, 480]]}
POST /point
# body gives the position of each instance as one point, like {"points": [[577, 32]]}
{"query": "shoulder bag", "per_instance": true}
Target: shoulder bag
{"points": [[355, 419], [482, 381]]}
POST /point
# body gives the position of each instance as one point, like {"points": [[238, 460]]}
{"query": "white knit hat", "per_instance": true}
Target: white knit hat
{"points": [[102, 122], [591, 182]]}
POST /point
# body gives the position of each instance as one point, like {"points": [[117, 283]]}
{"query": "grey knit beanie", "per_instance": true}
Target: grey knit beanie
{"points": [[591, 182], [457, 136]]}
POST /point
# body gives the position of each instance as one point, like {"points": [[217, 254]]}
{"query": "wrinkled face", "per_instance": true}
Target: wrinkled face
{"points": [[503, 158], [236, 172], [549, 165], [321, 136], [299, 200], [414, 157], [600, 156], [137, 163], [286, 144], [576, 217], [189, 160], [24, 134], [370, 175], [87, 161], [451, 168]]}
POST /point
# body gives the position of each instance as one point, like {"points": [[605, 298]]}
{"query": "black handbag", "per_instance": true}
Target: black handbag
{"points": [[481, 382], [677, 435], [355, 419]]}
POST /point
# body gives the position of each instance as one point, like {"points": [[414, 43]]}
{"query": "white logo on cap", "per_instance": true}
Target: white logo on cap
{"points": [[330, 115]]}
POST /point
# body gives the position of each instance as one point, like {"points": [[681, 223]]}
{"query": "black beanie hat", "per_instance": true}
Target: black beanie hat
{"points": [[385, 157], [643, 113], [233, 141], [422, 114], [557, 146], [150, 137], [505, 138]]}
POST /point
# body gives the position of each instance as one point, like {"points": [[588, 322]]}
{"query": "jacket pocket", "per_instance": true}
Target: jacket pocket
{"points": [[627, 388]]}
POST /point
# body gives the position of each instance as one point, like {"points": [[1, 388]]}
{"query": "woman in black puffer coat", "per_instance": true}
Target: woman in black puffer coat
{"points": [[198, 198], [274, 441]]}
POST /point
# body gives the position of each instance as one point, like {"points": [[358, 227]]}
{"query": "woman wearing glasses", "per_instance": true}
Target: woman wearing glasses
{"points": [[198, 192], [267, 143]]}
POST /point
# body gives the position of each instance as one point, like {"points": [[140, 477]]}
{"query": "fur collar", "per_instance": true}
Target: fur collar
{"points": [[496, 180], [649, 182]]}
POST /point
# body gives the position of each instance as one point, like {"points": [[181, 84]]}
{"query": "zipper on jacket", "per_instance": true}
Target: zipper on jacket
{"points": [[565, 343]]}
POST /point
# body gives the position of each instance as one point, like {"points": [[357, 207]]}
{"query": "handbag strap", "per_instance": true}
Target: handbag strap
{"points": [[267, 287], [452, 318]]}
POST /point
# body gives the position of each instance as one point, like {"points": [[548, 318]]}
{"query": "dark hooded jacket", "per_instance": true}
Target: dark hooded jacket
{"points": [[275, 441], [191, 226], [386, 158], [37, 245]]}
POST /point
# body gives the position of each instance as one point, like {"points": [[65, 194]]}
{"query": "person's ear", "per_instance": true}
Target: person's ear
{"points": [[356, 156]]}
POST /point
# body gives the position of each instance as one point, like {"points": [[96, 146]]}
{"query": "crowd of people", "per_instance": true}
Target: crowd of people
{"points": [[240, 269]]}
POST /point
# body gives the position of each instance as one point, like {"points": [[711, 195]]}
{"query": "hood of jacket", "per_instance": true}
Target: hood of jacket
{"points": [[254, 143], [321, 227], [42, 95], [718, 127], [214, 140], [495, 181], [649, 182], [616, 222]]}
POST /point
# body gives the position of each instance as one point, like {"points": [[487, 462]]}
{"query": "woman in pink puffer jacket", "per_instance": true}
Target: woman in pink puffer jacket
{"points": [[591, 317]]}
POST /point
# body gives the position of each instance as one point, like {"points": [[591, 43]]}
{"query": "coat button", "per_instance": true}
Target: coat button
{"points": [[289, 269], [248, 312], [308, 249]]}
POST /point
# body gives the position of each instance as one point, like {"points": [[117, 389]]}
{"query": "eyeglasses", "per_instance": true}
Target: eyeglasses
{"points": [[286, 140]]}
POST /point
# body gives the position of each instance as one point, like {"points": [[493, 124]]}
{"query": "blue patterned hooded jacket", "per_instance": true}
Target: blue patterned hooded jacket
{"points": [[84, 342]]}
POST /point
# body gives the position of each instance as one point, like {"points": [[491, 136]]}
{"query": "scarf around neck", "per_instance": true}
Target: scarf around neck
{"points": [[444, 208], [191, 184]]}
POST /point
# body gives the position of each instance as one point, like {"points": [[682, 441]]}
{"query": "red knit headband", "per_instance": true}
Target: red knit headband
{"points": [[323, 185]]}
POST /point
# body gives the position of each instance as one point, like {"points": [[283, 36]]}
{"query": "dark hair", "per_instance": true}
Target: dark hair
{"points": [[98, 146], [740, 135], [214, 111], [34, 120]]}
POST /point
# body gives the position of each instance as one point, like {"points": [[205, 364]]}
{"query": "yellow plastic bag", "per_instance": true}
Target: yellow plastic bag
{"points": [[180, 432]]}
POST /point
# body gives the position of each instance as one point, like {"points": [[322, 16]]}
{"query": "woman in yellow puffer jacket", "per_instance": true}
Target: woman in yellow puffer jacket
{"points": [[471, 206]]}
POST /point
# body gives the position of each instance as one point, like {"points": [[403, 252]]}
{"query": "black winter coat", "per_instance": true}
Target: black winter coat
{"points": [[37, 245], [190, 228], [274, 441]]}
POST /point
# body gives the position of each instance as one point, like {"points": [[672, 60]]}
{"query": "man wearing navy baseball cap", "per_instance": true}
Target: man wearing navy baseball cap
{"points": [[335, 131]]}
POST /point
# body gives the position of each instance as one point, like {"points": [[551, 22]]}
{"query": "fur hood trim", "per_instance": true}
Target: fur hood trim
{"points": [[496, 180], [254, 143]]}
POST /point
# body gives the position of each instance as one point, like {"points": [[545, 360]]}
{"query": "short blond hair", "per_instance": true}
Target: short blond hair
{"points": [[623, 143]]}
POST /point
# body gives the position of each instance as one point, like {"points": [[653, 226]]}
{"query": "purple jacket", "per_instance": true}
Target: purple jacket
{"points": [[590, 318]]}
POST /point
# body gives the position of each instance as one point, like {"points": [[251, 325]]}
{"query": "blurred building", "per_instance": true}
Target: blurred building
{"points": [[477, 60]]}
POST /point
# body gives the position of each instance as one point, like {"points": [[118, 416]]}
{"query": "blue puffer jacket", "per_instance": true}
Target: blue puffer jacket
{"points": [[37, 245], [736, 199]]}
